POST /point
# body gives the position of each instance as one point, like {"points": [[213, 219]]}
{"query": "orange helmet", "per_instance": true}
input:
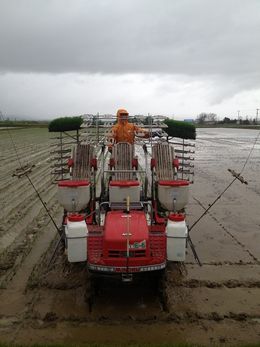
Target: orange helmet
{"points": [[122, 114]]}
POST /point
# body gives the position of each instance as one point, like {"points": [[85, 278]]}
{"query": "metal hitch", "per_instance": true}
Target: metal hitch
{"points": [[127, 278]]}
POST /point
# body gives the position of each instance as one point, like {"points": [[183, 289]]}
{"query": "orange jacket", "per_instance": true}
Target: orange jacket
{"points": [[124, 131]]}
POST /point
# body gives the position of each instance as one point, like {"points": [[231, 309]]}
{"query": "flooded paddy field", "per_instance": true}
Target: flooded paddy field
{"points": [[218, 303]]}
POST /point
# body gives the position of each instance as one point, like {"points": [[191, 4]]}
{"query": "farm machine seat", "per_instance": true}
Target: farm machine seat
{"points": [[123, 181], [171, 193], [121, 160], [82, 161], [164, 161]]}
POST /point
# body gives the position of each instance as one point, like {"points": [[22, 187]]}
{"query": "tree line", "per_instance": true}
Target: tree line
{"points": [[211, 118]]}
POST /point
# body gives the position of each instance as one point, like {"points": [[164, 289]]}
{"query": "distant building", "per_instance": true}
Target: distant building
{"points": [[189, 120]]}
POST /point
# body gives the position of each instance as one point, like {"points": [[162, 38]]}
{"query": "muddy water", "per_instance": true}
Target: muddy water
{"points": [[217, 303]]}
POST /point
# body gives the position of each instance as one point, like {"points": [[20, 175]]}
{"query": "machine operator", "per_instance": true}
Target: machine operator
{"points": [[123, 131]]}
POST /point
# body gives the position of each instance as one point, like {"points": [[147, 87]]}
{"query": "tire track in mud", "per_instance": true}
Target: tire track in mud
{"points": [[21, 190], [22, 212], [7, 180], [197, 301], [23, 217], [225, 262], [15, 302], [255, 259], [68, 290], [15, 253], [28, 155], [231, 283], [60, 300], [17, 184], [10, 170], [30, 144], [102, 308]]}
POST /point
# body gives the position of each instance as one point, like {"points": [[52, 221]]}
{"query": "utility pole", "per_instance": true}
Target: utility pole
{"points": [[256, 120], [238, 117]]}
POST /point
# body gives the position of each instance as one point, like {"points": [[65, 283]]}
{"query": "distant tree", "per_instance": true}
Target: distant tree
{"points": [[212, 117], [206, 117], [201, 118], [245, 121], [226, 120]]}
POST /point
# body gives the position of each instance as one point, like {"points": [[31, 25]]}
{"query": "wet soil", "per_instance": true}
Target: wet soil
{"points": [[218, 303]]}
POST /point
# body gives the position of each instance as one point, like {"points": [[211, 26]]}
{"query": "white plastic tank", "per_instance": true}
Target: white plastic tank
{"points": [[76, 233], [73, 195], [173, 195], [176, 235], [120, 190]]}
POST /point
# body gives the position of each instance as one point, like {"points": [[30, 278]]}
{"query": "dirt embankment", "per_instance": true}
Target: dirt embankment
{"points": [[54, 302]]}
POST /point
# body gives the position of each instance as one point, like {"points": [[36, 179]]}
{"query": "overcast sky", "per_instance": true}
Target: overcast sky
{"points": [[174, 57]]}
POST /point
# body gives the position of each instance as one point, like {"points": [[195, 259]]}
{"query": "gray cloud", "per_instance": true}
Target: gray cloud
{"points": [[181, 56], [193, 37]]}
